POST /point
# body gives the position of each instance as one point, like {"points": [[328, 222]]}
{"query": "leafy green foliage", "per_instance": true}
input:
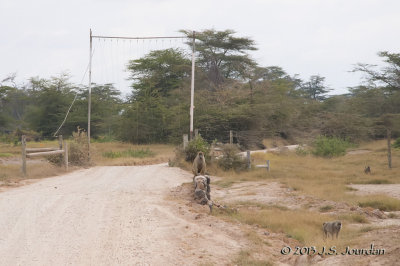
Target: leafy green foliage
{"points": [[154, 110], [196, 145], [314, 88], [396, 143], [222, 55], [330, 146]]}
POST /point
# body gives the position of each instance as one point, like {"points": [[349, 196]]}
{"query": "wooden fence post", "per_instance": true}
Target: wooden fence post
{"points": [[66, 155], [268, 165], [230, 137], [248, 160], [60, 142], [23, 145], [185, 140]]}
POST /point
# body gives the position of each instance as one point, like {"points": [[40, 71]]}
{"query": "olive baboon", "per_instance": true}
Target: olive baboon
{"points": [[199, 164], [202, 190], [331, 228], [367, 170]]}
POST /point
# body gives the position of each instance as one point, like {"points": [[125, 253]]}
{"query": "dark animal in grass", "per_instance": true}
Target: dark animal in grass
{"points": [[367, 170], [332, 228]]}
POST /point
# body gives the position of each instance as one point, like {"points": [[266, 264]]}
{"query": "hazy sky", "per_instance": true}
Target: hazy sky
{"points": [[306, 37]]}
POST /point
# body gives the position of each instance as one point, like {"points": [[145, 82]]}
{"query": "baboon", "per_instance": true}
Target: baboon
{"points": [[199, 164], [331, 228], [202, 190], [367, 170]]}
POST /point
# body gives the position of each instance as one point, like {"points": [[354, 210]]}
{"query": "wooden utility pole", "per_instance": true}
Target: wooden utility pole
{"points": [[60, 142], [192, 89], [90, 93]]}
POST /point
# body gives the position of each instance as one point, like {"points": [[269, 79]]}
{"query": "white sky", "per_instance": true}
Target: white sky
{"points": [[307, 37]]}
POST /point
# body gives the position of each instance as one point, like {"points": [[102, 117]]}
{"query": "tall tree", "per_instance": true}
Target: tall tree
{"points": [[159, 72], [315, 88], [156, 78], [222, 55], [388, 76], [386, 83]]}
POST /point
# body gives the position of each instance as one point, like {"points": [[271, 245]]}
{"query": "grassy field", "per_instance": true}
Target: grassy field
{"points": [[324, 178], [318, 178]]}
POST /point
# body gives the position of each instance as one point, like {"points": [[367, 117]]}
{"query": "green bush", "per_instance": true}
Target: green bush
{"points": [[396, 143], [196, 145], [231, 159], [330, 146]]}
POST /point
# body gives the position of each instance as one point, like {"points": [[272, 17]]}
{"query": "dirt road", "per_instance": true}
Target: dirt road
{"points": [[109, 216]]}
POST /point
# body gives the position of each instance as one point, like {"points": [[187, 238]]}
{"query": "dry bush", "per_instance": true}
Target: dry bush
{"points": [[78, 148], [231, 159]]}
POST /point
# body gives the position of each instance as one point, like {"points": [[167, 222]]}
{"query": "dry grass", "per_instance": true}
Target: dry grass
{"points": [[161, 153], [321, 177], [302, 225], [244, 258], [381, 202], [10, 166], [11, 174]]}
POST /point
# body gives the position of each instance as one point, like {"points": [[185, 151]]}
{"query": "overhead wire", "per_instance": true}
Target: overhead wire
{"points": [[73, 101]]}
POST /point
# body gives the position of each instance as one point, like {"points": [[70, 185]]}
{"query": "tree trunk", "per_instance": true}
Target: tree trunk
{"points": [[389, 135]]}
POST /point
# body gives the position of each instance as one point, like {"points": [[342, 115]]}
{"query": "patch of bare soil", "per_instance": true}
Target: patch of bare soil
{"points": [[267, 246], [273, 193], [357, 152]]}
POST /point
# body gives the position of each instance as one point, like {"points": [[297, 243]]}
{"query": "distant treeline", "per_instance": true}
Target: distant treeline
{"points": [[232, 92]]}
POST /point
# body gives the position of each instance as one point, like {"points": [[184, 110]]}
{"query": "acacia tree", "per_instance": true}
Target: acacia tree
{"points": [[388, 77], [222, 55], [314, 88], [386, 83], [148, 115]]}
